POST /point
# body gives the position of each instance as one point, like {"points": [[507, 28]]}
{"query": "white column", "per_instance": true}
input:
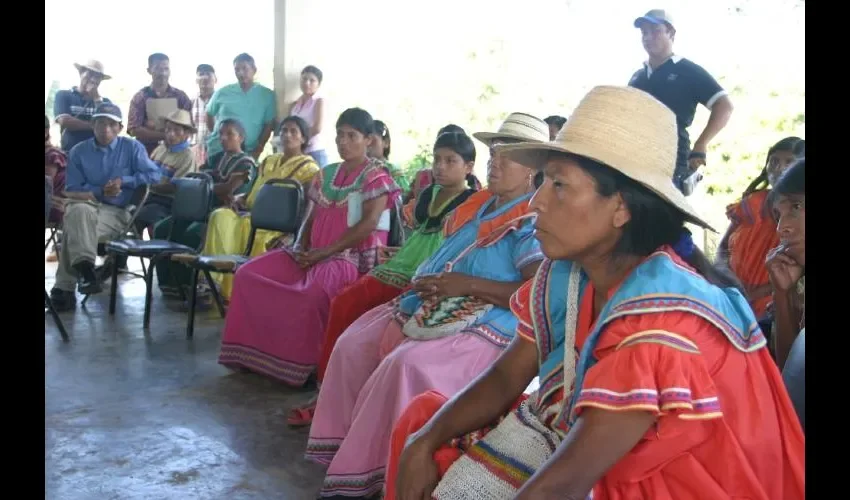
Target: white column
{"points": [[298, 37]]}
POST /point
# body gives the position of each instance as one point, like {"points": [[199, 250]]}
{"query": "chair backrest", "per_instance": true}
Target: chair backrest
{"points": [[279, 206], [194, 198], [794, 375], [396, 235]]}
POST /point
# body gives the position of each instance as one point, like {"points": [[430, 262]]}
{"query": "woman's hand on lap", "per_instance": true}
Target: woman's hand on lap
{"points": [[417, 472]]}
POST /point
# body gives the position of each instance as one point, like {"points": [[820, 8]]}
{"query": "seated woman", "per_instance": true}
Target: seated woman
{"points": [[422, 179], [55, 162], [379, 148], [454, 158], [232, 171], [439, 335], [752, 232], [786, 264], [279, 307], [229, 227], [654, 378]]}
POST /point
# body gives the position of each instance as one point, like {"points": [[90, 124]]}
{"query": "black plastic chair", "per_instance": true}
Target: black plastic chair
{"points": [[137, 201], [48, 195], [794, 375], [193, 201], [279, 206]]}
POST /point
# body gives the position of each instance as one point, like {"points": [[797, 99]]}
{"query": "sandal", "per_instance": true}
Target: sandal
{"points": [[300, 417]]}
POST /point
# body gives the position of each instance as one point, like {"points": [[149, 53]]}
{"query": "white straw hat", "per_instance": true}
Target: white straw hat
{"points": [[518, 126], [626, 129], [93, 65]]}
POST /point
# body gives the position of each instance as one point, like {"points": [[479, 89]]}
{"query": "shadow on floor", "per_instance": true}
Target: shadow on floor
{"points": [[131, 415]]}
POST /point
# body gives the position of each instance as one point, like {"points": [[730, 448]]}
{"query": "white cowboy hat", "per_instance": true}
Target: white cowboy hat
{"points": [[93, 65], [517, 126], [625, 129], [181, 117]]}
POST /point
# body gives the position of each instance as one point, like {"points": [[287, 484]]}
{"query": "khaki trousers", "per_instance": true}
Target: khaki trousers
{"points": [[86, 224]]}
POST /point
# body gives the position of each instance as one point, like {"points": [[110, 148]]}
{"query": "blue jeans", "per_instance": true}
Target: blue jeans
{"points": [[321, 157]]}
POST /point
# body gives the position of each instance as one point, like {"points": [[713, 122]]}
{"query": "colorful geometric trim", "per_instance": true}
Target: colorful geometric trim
{"points": [[290, 373], [750, 341], [662, 337], [322, 450], [503, 467], [391, 278], [364, 484], [670, 399], [489, 334]]}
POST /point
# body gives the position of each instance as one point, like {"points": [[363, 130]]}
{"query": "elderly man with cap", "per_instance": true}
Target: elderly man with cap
{"points": [[176, 159], [73, 108], [680, 84], [101, 176]]}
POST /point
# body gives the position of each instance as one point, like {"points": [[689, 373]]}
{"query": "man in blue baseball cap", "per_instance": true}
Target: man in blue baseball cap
{"points": [[100, 178], [680, 84]]}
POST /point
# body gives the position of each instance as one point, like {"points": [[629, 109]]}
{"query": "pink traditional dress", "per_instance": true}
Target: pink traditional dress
{"points": [[278, 311]]}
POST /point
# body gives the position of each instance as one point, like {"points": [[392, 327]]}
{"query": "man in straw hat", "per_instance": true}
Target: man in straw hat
{"points": [[102, 174], [176, 159], [639, 343], [74, 108], [680, 84]]}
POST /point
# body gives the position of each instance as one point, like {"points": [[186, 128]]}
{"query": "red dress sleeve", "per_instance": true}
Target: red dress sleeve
{"points": [[521, 308], [652, 363]]}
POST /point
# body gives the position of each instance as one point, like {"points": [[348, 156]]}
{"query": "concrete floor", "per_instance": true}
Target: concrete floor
{"points": [[135, 415]]}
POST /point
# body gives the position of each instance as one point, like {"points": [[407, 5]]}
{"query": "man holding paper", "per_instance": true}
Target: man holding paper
{"points": [[150, 106]]}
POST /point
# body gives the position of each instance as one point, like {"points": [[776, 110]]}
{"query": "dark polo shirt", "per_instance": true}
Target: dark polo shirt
{"points": [[73, 103], [680, 84]]}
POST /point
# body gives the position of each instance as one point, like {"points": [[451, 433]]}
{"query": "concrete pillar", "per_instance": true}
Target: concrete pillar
{"points": [[295, 36]]}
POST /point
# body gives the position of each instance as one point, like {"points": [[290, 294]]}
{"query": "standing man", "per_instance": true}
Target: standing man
{"points": [[158, 98], [254, 105], [205, 77], [101, 175], [74, 108], [680, 84]]}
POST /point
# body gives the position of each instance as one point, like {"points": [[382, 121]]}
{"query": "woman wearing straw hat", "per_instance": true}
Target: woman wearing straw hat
{"points": [[441, 334], [655, 381]]}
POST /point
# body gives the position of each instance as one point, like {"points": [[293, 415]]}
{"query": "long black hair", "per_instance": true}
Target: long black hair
{"points": [[358, 119], [464, 147], [237, 126], [382, 131], [793, 180], [654, 222], [302, 125], [760, 182]]}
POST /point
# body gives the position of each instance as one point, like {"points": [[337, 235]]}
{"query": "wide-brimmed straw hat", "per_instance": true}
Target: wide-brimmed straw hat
{"points": [[517, 126], [93, 65], [626, 129], [181, 117]]}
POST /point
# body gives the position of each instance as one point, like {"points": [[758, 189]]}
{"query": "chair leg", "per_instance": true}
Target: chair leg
{"points": [[144, 269], [149, 291], [56, 318], [113, 287], [193, 297], [218, 300]]}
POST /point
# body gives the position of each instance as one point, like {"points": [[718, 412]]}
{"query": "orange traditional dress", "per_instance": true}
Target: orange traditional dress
{"points": [[666, 342], [753, 235]]}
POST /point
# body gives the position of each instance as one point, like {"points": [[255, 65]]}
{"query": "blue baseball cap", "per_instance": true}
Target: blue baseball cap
{"points": [[655, 16], [108, 110]]}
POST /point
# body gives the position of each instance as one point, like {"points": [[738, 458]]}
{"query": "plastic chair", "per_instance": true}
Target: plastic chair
{"points": [[193, 201], [279, 206]]}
